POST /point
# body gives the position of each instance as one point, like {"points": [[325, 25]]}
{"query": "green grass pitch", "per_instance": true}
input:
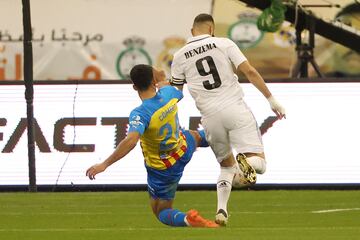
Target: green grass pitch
{"points": [[126, 215]]}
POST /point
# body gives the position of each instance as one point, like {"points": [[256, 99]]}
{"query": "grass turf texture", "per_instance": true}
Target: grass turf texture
{"points": [[127, 215]]}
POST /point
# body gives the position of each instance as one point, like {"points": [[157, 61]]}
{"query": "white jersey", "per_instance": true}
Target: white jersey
{"points": [[205, 63]]}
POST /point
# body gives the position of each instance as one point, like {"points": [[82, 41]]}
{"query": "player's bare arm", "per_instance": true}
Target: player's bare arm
{"points": [[124, 147], [255, 78]]}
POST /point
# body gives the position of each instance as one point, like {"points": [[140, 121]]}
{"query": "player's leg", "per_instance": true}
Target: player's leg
{"points": [[245, 137], [162, 185], [194, 139], [173, 217], [246, 170], [257, 161], [199, 137], [218, 139], [228, 169], [166, 214]]}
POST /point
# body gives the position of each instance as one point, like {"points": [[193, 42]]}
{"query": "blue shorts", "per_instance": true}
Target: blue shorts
{"points": [[162, 184]]}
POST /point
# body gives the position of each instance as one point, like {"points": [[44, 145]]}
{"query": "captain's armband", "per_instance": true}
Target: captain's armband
{"points": [[177, 82]]}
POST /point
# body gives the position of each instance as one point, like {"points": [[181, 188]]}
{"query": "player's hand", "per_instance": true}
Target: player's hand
{"points": [[277, 108], [95, 169], [162, 84]]}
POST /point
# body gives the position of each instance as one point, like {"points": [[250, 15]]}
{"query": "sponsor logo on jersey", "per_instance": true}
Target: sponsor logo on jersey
{"points": [[135, 122]]}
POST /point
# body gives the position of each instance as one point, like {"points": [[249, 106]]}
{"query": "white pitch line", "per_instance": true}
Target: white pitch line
{"points": [[336, 210]]}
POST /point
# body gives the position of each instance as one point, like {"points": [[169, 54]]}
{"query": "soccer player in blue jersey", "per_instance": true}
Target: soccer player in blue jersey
{"points": [[166, 148]]}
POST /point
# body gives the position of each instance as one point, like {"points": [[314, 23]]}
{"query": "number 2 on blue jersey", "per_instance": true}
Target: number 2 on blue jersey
{"points": [[170, 133]]}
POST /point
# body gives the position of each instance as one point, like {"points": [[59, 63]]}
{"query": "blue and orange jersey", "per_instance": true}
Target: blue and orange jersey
{"points": [[156, 120]]}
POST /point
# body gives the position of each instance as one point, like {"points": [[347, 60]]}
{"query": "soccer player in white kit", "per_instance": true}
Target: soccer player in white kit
{"points": [[206, 63]]}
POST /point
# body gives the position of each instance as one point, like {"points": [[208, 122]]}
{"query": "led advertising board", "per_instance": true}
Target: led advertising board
{"points": [[79, 125]]}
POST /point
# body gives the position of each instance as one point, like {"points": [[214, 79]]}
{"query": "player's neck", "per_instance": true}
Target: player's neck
{"points": [[202, 30], [198, 33], [150, 93]]}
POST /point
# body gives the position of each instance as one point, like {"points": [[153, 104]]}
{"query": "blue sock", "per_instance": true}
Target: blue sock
{"points": [[172, 217], [203, 142]]}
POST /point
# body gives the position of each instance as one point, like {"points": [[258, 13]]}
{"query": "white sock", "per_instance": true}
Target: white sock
{"points": [[258, 163], [224, 185], [186, 221]]}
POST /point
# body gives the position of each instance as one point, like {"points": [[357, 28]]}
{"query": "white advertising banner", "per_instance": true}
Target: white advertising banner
{"points": [[79, 125], [95, 39]]}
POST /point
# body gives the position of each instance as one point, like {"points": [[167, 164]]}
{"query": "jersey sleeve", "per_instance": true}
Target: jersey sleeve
{"points": [[177, 74], [172, 92], [138, 122], [234, 53]]}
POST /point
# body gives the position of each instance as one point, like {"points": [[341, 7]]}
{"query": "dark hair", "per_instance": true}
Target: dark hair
{"points": [[203, 17], [141, 75]]}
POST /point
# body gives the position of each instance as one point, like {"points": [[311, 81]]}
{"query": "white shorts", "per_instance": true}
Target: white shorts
{"points": [[233, 127]]}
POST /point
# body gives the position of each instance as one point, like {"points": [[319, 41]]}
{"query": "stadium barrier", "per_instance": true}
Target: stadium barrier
{"points": [[77, 123]]}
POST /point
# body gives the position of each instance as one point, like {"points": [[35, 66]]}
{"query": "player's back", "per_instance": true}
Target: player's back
{"points": [[205, 63], [161, 140]]}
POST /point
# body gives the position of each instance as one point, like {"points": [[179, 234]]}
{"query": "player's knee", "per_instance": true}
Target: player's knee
{"points": [[200, 138], [196, 136], [258, 163]]}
